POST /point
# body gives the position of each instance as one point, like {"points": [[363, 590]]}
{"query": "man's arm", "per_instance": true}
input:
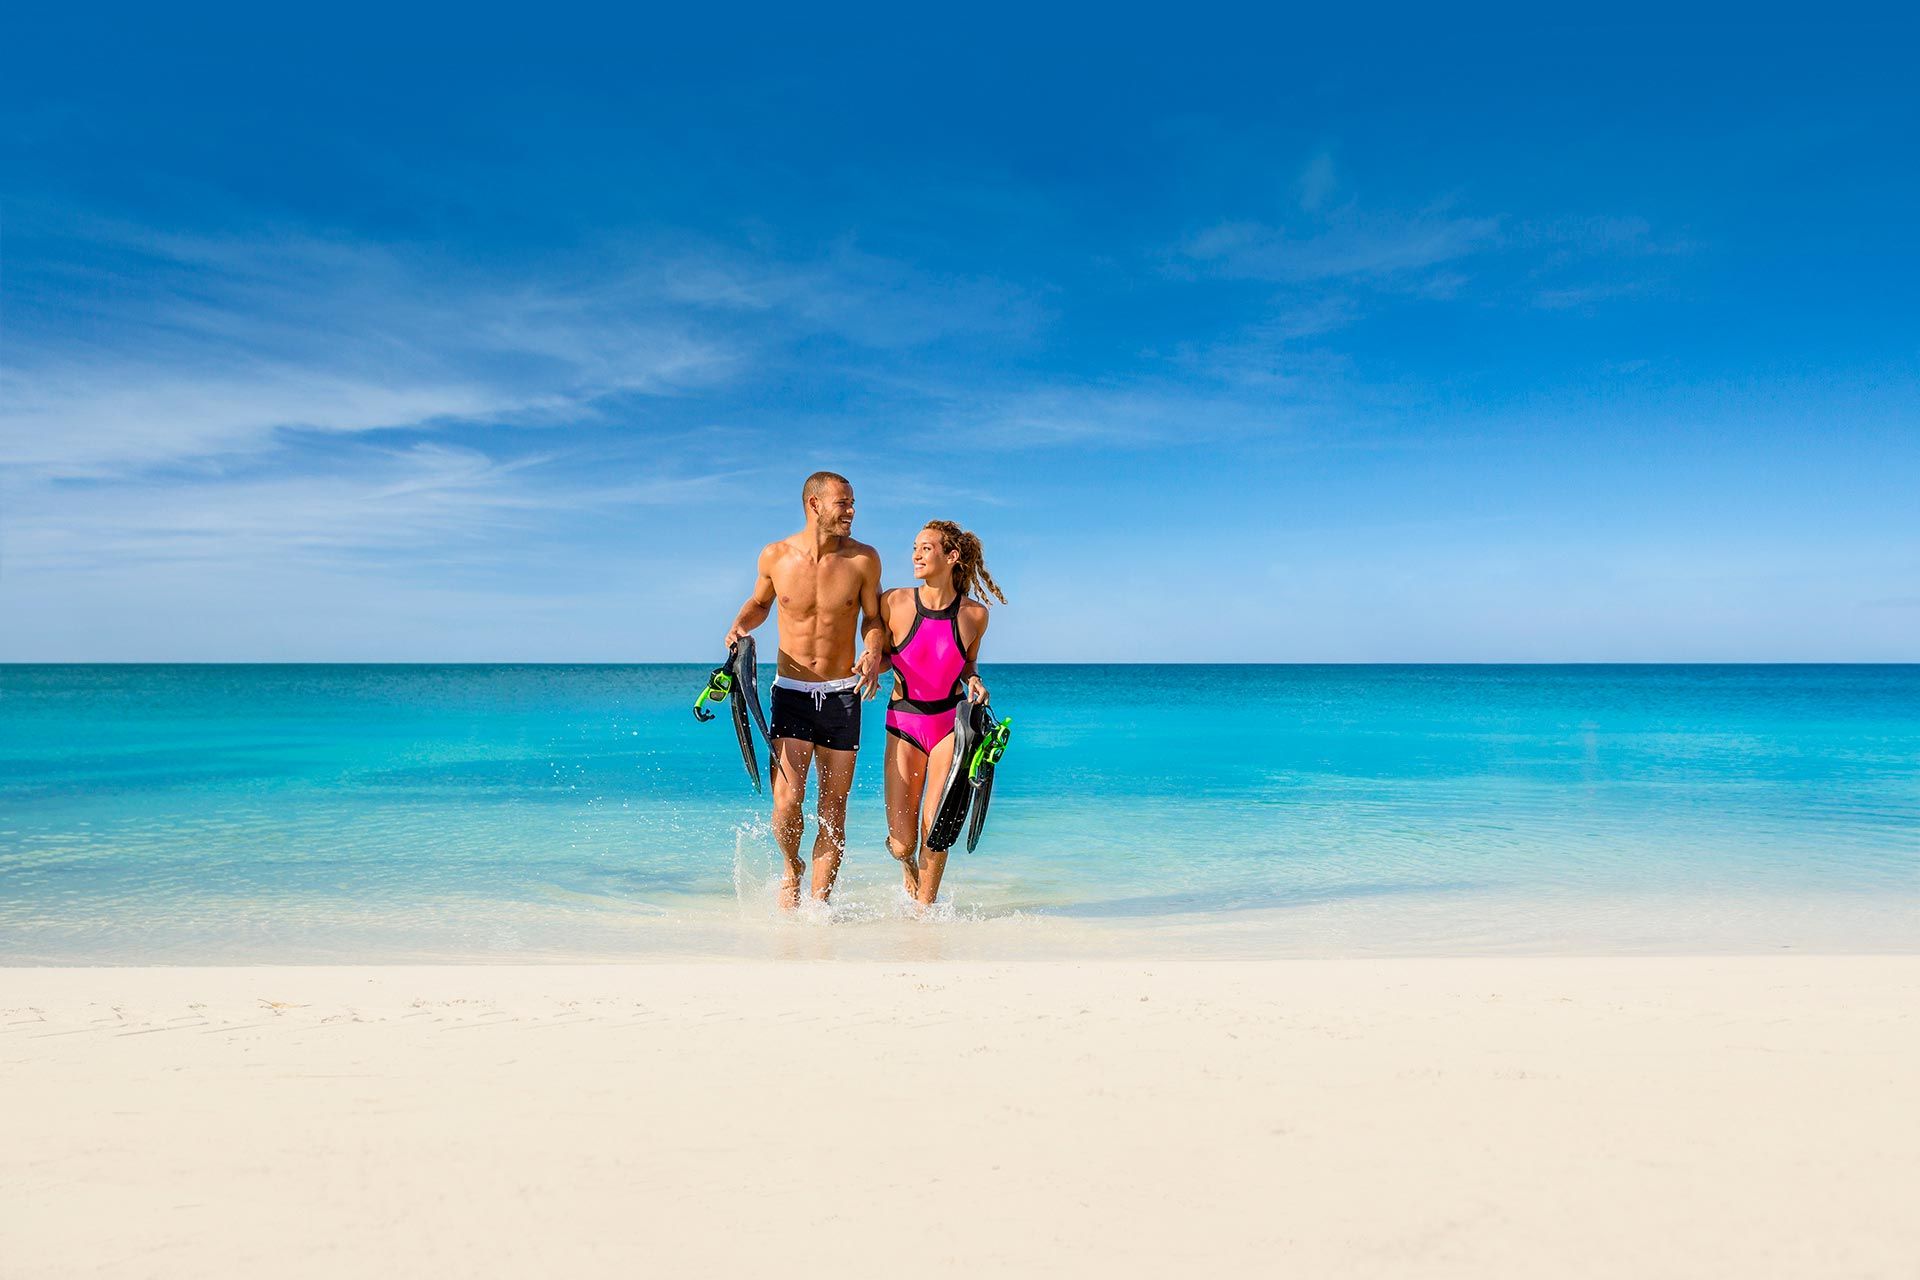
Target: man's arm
{"points": [[873, 630], [759, 604]]}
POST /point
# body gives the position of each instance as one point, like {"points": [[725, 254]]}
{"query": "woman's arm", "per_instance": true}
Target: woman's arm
{"points": [[976, 688]]}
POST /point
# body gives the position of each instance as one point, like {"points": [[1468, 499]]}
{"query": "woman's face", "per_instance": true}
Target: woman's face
{"points": [[929, 558]]}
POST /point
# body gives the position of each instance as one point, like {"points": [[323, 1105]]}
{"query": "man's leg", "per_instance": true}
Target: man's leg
{"points": [[790, 759], [836, 779]]}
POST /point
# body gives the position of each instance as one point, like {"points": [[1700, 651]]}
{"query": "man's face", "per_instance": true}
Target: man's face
{"points": [[834, 507]]}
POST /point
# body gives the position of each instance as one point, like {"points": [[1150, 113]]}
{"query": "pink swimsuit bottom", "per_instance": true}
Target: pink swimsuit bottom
{"points": [[926, 676]]}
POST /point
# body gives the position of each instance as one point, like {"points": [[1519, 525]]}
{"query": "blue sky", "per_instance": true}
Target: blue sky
{"points": [[360, 335]]}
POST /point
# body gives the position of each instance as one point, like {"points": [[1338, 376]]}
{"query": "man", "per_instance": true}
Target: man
{"points": [[828, 586]]}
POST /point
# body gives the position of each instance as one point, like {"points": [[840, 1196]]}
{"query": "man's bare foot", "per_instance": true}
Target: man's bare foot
{"points": [[790, 889]]}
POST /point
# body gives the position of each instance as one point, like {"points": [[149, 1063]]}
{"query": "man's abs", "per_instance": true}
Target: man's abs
{"points": [[807, 655], [819, 626]]}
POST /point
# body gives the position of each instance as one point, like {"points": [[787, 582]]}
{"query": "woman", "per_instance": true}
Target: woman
{"points": [[933, 645]]}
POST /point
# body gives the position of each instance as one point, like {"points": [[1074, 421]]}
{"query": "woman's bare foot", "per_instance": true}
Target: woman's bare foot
{"points": [[909, 869]]}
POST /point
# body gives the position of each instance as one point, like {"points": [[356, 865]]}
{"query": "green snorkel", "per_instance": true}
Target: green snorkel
{"points": [[991, 748], [719, 688]]}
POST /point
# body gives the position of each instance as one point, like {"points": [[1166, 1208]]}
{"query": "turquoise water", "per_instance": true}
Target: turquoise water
{"points": [[184, 813]]}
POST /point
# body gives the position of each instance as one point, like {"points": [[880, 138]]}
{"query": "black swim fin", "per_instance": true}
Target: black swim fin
{"points": [[747, 680], [739, 702], [736, 681], [956, 791], [982, 796]]}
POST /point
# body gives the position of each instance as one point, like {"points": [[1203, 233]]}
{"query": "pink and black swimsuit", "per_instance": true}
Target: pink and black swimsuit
{"points": [[926, 675]]}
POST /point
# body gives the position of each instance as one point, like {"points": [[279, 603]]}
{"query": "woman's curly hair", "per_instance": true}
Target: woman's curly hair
{"points": [[972, 566]]}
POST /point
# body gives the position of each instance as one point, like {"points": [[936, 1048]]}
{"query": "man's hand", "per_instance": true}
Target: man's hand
{"points": [[733, 635], [868, 668]]}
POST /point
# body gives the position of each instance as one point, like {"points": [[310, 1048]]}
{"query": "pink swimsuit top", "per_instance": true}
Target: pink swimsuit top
{"points": [[927, 664]]}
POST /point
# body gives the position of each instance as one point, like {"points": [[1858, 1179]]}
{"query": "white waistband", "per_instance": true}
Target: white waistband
{"points": [[817, 686]]}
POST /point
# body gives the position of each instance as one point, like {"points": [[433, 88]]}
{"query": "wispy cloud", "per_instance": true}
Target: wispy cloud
{"points": [[1378, 248], [1317, 182], [287, 408], [1137, 415], [1284, 351], [1332, 239], [1598, 234], [1579, 263], [402, 507], [868, 299], [1573, 296], [186, 346]]}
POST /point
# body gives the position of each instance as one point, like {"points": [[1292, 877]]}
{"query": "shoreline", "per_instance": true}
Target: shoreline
{"points": [[1466, 1116], [869, 926], [561, 962]]}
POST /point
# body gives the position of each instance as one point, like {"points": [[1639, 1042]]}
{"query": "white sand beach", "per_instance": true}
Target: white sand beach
{"points": [[1699, 1116]]}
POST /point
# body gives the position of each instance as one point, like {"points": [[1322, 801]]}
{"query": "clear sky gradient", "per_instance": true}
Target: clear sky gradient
{"points": [[357, 334]]}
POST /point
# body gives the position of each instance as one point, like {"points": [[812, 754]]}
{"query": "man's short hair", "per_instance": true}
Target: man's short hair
{"points": [[820, 480]]}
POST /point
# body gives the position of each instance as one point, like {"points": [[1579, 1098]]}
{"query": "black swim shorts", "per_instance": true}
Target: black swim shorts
{"points": [[830, 720]]}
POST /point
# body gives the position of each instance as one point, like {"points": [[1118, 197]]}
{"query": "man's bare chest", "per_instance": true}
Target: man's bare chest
{"points": [[826, 588]]}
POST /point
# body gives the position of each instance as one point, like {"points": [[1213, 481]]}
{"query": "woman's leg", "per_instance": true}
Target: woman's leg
{"points": [[906, 767], [933, 864]]}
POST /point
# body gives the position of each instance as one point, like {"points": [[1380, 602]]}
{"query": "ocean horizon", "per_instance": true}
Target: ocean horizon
{"points": [[324, 813]]}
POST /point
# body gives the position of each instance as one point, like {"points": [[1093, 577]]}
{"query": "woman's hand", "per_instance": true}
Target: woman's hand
{"points": [[869, 668], [977, 689]]}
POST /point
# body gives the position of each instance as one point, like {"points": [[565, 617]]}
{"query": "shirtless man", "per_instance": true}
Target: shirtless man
{"points": [[828, 586]]}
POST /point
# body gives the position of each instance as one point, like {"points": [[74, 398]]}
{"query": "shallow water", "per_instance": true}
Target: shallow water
{"points": [[182, 813]]}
